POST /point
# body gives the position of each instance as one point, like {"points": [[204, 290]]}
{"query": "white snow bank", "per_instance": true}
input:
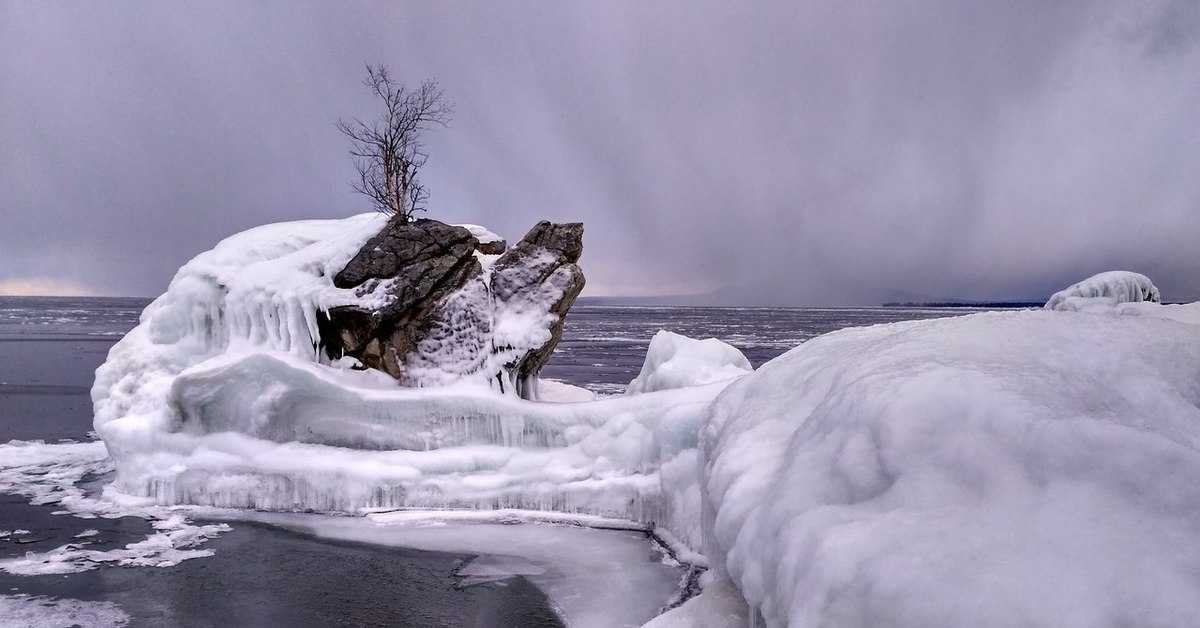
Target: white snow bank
{"points": [[1025, 468], [675, 361], [1108, 288]]}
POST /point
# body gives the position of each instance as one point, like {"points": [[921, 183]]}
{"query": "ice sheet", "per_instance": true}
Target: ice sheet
{"points": [[595, 578]]}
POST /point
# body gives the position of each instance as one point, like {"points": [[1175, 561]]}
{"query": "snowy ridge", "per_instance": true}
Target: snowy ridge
{"points": [[1033, 468]]}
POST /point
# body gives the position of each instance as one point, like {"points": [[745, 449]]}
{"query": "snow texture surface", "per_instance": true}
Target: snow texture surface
{"points": [[675, 361], [1108, 288], [1025, 468]]}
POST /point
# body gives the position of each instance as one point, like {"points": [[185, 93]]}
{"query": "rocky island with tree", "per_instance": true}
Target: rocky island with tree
{"points": [[451, 291]]}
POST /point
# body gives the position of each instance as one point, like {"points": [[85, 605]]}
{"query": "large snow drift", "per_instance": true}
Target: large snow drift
{"points": [[1000, 469]]}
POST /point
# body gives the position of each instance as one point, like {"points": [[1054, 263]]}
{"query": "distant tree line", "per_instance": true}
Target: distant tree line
{"points": [[993, 305]]}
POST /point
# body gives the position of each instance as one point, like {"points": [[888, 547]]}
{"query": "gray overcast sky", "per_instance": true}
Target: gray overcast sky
{"points": [[777, 152]]}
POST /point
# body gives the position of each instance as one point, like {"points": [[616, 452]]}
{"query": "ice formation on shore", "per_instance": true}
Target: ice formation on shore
{"points": [[1107, 288], [1031, 467], [675, 361], [1123, 293], [221, 397]]}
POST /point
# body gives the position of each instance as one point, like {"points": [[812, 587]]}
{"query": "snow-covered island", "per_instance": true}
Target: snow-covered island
{"points": [[1036, 468]]}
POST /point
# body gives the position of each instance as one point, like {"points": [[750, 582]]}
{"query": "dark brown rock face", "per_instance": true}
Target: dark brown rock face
{"points": [[443, 316], [424, 261]]}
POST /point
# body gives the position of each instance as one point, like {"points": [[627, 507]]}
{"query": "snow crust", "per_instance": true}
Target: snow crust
{"points": [[1034, 468], [1105, 289], [675, 361]]}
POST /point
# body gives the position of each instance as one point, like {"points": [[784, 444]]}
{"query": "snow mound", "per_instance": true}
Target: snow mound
{"points": [[1024, 468], [1108, 289], [1122, 294], [675, 361], [482, 234]]}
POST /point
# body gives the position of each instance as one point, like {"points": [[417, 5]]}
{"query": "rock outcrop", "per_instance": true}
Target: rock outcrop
{"points": [[454, 307]]}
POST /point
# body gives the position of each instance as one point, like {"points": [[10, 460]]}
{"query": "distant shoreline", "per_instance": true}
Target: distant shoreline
{"points": [[991, 305]]}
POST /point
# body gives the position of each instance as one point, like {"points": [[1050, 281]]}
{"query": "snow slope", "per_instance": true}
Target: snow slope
{"points": [[1022, 468]]}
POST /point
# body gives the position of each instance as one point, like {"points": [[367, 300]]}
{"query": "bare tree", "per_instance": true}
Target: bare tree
{"points": [[388, 151]]}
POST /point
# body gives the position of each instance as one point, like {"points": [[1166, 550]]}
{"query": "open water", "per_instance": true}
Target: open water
{"points": [[263, 576]]}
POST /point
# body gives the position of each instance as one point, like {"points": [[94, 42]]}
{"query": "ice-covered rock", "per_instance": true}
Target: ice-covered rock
{"points": [[1105, 289], [1121, 293], [1023, 468], [675, 361], [224, 394], [452, 309]]}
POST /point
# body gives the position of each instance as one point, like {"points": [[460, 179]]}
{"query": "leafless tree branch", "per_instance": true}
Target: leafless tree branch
{"points": [[388, 152]]}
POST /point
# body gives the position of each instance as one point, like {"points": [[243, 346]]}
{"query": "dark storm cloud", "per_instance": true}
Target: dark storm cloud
{"points": [[776, 152]]}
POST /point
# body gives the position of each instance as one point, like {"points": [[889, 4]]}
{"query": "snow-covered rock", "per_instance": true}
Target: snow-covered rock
{"points": [[452, 308], [1105, 289], [1121, 293], [1024, 468], [675, 361]]}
